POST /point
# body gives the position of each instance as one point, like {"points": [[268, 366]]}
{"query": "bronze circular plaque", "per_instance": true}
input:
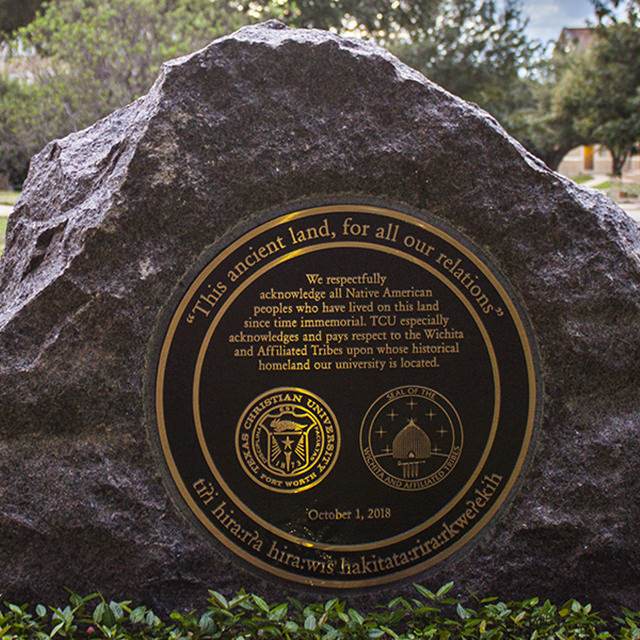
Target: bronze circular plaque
{"points": [[345, 394]]}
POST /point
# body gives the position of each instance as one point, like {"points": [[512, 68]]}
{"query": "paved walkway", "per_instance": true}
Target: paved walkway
{"points": [[632, 208]]}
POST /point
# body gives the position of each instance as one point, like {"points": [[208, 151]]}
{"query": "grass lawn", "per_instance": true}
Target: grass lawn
{"points": [[9, 197], [3, 230], [581, 178], [607, 184]]}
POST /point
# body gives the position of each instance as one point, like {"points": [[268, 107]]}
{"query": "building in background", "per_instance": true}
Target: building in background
{"points": [[593, 159], [576, 39]]}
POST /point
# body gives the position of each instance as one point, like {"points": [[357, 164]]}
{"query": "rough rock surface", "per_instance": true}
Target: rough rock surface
{"points": [[111, 218]]}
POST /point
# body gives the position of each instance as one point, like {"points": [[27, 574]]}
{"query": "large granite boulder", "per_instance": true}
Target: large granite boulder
{"points": [[113, 216]]}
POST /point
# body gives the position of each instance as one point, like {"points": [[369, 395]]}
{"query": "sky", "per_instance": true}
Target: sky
{"points": [[547, 17]]}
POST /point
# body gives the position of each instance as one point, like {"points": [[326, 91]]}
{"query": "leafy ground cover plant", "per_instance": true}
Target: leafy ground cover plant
{"points": [[430, 615]]}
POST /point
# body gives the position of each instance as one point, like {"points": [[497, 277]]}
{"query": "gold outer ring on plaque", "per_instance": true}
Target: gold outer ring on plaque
{"points": [[508, 485]]}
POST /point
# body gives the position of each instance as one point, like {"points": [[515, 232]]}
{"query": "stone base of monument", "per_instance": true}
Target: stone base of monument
{"points": [[299, 319]]}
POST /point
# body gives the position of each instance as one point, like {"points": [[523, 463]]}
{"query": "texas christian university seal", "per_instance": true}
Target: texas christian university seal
{"points": [[287, 440]]}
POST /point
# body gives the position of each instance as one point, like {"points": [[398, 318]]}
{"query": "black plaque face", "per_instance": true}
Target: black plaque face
{"points": [[345, 395]]}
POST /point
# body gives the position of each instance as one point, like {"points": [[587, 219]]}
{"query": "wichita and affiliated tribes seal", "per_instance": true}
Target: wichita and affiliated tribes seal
{"points": [[411, 438], [343, 395]]}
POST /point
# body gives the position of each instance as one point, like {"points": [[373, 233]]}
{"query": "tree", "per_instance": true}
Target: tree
{"points": [[89, 57], [474, 50], [608, 10], [600, 90], [438, 35], [482, 53], [545, 131], [382, 20], [14, 154], [548, 135]]}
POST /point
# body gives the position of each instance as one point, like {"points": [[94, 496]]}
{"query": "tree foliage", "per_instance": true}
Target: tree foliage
{"points": [[81, 59], [609, 10], [600, 91], [382, 20], [89, 57], [14, 146], [545, 131], [475, 50]]}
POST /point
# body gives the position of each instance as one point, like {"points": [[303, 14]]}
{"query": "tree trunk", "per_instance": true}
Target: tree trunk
{"points": [[617, 163], [553, 157]]}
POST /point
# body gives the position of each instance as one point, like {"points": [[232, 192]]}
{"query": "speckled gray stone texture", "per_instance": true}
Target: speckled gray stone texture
{"points": [[112, 217]]}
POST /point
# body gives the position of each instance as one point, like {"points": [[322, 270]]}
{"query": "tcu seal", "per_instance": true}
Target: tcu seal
{"points": [[287, 440]]}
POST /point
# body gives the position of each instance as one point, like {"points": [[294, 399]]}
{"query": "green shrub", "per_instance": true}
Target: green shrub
{"points": [[629, 190], [430, 615]]}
